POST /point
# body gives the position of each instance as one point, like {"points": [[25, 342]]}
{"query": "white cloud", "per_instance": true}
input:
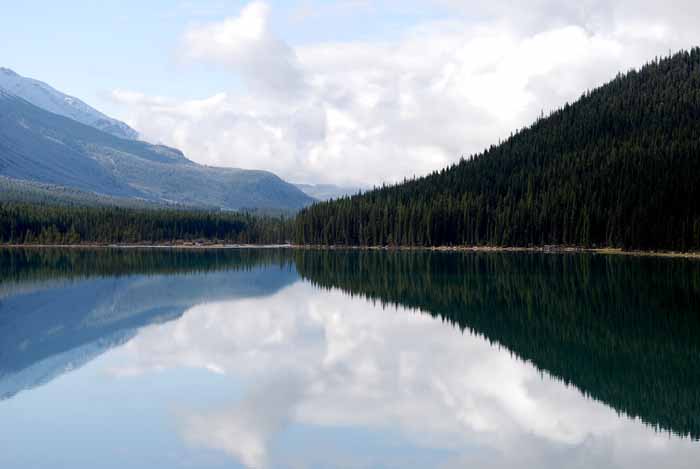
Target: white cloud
{"points": [[246, 44], [363, 112]]}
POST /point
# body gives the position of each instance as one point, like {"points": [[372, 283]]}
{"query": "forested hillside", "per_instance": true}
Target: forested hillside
{"points": [[619, 167]]}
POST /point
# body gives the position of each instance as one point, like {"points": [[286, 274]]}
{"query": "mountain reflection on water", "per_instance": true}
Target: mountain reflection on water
{"points": [[60, 309], [372, 359]]}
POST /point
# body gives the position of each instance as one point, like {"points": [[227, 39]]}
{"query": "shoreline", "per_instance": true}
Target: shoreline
{"points": [[223, 246], [538, 249]]}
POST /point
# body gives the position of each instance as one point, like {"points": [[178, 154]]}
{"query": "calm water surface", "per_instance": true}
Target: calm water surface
{"points": [[267, 358]]}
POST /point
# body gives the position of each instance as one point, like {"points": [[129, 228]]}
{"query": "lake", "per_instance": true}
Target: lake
{"points": [[295, 359]]}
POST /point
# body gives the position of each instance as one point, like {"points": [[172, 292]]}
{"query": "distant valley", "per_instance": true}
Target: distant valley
{"points": [[327, 191]]}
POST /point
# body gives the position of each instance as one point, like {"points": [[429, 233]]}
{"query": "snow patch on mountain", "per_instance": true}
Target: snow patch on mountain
{"points": [[44, 96]]}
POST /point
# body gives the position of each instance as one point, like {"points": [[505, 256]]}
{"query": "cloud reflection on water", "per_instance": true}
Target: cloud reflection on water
{"points": [[325, 360]]}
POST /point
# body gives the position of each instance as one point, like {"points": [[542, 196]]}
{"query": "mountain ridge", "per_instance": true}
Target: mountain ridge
{"points": [[43, 147], [46, 97]]}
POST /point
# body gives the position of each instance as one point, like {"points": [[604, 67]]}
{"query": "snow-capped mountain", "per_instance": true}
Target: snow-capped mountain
{"points": [[44, 96]]}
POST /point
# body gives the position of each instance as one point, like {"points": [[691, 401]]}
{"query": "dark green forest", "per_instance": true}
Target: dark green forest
{"points": [[622, 330], [54, 224], [618, 168]]}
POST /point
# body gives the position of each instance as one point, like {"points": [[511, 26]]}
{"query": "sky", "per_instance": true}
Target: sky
{"points": [[350, 92]]}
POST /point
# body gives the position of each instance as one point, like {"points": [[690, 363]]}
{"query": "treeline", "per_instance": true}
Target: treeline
{"points": [[617, 168], [622, 330], [53, 224]]}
